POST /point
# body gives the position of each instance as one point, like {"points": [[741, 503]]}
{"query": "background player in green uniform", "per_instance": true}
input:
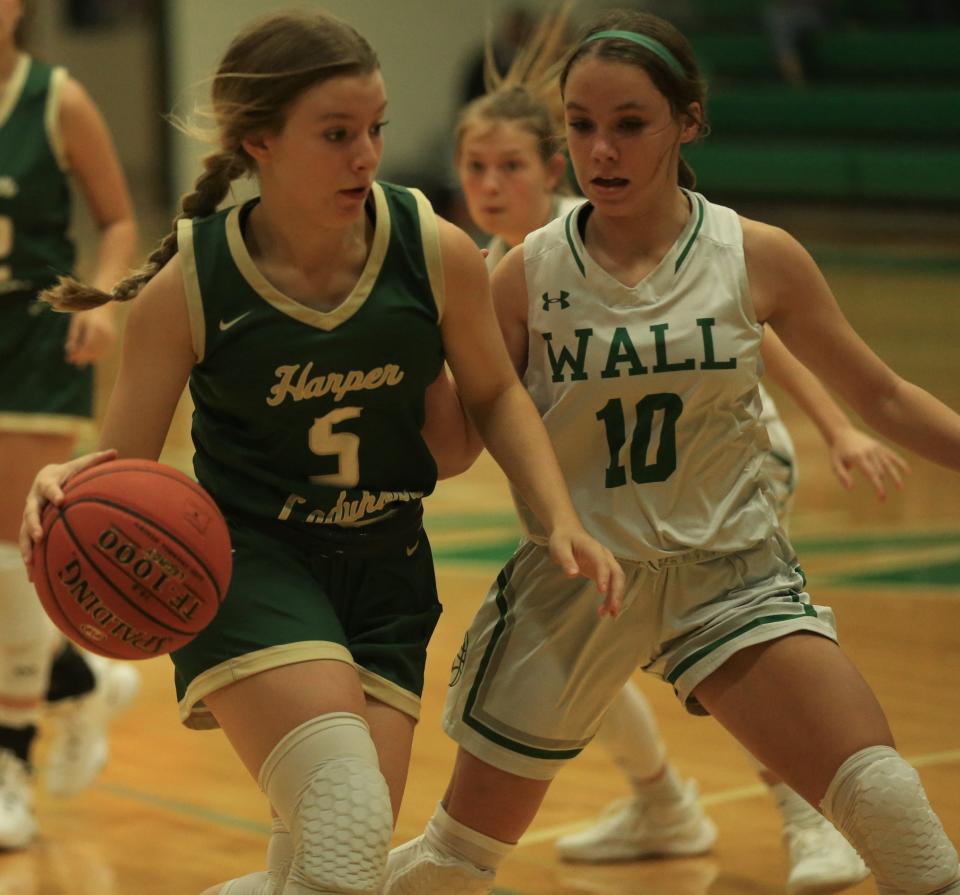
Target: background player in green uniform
{"points": [[50, 134], [511, 171], [310, 323], [743, 644]]}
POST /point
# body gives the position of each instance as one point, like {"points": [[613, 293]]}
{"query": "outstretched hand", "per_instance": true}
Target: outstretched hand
{"points": [[578, 554], [856, 449], [47, 488]]}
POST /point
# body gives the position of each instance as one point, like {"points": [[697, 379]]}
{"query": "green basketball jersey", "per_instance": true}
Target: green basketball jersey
{"points": [[34, 192], [306, 415]]}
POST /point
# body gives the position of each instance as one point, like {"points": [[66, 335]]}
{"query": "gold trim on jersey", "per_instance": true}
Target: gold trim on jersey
{"points": [[14, 88], [191, 286], [193, 712], [51, 118], [430, 239], [325, 320], [45, 423], [389, 693]]}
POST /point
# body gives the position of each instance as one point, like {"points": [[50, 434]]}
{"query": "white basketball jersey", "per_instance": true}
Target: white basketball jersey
{"points": [[497, 248], [650, 393]]}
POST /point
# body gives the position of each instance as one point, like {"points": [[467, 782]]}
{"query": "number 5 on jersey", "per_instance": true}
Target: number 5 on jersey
{"points": [[341, 449]]}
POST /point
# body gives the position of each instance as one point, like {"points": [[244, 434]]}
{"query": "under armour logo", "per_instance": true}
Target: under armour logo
{"points": [[564, 304]]}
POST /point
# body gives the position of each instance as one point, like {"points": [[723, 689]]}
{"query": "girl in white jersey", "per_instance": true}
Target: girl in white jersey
{"points": [[637, 321], [52, 139], [512, 173]]}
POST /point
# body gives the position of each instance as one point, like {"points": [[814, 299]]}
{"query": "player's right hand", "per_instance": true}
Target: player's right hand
{"points": [[579, 554], [854, 449], [47, 488]]}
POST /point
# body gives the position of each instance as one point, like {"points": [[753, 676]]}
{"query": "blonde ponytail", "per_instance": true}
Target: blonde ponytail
{"points": [[528, 92]]}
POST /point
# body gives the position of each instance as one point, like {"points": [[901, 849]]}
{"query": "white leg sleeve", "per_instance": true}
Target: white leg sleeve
{"points": [[630, 735], [27, 639], [877, 801], [323, 780], [271, 880]]}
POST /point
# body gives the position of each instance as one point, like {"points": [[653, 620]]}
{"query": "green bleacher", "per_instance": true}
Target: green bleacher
{"points": [[889, 55], [879, 123]]}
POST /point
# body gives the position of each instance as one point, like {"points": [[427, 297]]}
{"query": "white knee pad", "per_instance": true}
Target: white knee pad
{"points": [[877, 801], [323, 780], [27, 639]]}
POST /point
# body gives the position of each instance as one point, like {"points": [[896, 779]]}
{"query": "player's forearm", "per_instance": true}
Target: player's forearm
{"points": [[115, 253], [915, 419], [515, 435], [817, 403], [804, 388]]}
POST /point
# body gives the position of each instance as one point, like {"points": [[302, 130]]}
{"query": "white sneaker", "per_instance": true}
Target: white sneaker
{"points": [[633, 828], [821, 860], [79, 749], [18, 825], [416, 868]]}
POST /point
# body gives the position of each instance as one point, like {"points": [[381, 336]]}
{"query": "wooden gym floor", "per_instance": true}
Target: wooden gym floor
{"points": [[175, 812]]}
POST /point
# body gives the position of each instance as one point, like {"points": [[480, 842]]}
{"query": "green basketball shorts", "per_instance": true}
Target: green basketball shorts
{"points": [[39, 390], [295, 598]]}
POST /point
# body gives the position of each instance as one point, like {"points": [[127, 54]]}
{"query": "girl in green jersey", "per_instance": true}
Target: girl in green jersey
{"points": [[310, 323]]}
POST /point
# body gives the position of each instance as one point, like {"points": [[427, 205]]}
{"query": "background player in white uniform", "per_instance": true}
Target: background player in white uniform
{"points": [[324, 258], [50, 133], [638, 321], [512, 173]]}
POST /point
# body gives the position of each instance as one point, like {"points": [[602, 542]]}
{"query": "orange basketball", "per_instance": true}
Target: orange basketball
{"points": [[135, 562]]}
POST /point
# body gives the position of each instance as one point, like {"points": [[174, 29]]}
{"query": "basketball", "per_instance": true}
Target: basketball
{"points": [[135, 562]]}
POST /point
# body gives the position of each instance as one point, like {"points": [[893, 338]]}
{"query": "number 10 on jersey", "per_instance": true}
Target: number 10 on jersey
{"points": [[642, 469]]}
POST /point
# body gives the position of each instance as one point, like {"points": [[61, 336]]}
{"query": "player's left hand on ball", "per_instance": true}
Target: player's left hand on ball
{"points": [[579, 554], [47, 488]]}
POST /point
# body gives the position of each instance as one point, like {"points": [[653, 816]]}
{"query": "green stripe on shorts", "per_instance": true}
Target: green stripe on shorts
{"points": [[692, 660], [492, 735]]}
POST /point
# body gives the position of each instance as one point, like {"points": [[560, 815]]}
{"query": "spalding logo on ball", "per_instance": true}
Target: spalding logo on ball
{"points": [[135, 562]]}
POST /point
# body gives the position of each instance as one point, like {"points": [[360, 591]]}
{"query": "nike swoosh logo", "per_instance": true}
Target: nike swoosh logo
{"points": [[226, 324], [413, 549]]}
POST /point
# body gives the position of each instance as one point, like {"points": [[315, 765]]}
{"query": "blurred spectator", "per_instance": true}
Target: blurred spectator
{"points": [[794, 27]]}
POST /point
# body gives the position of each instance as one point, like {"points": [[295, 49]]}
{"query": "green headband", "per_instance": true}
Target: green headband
{"points": [[654, 46]]}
